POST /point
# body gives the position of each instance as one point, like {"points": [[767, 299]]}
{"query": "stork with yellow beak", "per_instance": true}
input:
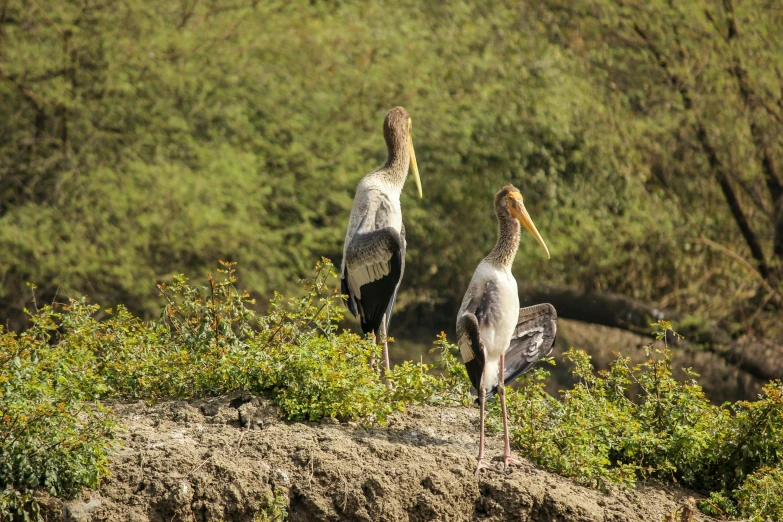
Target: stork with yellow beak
{"points": [[374, 251], [499, 341]]}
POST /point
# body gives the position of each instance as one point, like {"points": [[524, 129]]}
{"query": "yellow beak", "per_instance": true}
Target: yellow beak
{"points": [[414, 166], [519, 211]]}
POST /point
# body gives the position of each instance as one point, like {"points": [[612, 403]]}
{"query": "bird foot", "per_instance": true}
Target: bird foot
{"points": [[507, 460], [481, 464]]}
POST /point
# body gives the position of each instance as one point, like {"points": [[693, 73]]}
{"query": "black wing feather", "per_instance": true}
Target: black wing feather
{"points": [[377, 296], [350, 302], [489, 308], [470, 327], [485, 309], [403, 246], [533, 339]]}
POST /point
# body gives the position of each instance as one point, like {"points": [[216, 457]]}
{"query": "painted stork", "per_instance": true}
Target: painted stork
{"points": [[374, 251], [498, 341]]}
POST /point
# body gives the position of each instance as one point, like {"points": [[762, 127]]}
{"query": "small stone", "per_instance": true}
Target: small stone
{"points": [[181, 495], [78, 510], [209, 409], [282, 475]]}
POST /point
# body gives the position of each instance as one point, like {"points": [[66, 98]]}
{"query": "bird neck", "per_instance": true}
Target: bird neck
{"points": [[507, 244], [398, 159]]}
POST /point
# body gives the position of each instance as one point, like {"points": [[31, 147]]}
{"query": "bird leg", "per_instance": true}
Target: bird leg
{"points": [[480, 462], [507, 458], [385, 343], [372, 359]]}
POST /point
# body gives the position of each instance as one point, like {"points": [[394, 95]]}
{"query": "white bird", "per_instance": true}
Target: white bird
{"points": [[498, 341], [374, 251]]}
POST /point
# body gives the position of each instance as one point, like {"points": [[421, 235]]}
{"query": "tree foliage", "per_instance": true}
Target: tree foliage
{"points": [[138, 143]]}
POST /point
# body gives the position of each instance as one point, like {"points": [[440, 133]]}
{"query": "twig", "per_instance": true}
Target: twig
{"points": [[56, 27], [214, 311], [141, 469], [35, 302], [199, 466], [56, 293], [176, 310], [239, 443]]}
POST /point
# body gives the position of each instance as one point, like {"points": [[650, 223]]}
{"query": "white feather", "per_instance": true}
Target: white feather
{"points": [[496, 336]]}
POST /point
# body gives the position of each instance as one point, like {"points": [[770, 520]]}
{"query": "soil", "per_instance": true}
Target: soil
{"points": [[222, 460]]}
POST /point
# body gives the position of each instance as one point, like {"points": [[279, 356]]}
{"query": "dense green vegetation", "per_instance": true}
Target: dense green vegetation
{"points": [[208, 341], [137, 142], [604, 436]]}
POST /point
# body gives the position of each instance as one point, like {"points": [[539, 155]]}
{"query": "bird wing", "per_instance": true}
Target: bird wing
{"points": [[372, 271], [534, 338], [482, 308], [368, 257], [399, 278]]}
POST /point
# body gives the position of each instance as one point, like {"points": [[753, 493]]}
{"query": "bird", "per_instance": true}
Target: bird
{"points": [[497, 340], [374, 251]]}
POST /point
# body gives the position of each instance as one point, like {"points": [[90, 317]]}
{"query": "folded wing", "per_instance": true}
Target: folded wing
{"points": [[482, 310], [372, 271]]}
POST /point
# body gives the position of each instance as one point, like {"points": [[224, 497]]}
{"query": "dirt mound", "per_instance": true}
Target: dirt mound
{"points": [[222, 460]]}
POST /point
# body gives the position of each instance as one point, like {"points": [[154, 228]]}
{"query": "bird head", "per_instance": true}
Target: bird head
{"points": [[516, 207], [397, 132]]}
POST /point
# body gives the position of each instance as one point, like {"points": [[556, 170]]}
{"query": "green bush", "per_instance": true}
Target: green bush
{"points": [[53, 432], [207, 341], [603, 437], [610, 429]]}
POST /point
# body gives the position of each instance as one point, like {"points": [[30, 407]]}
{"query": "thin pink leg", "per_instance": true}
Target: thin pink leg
{"points": [[480, 462], [385, 343], [507, 458]]}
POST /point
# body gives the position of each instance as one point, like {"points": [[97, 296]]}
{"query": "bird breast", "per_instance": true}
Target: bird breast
{"points": [[496, 335]]}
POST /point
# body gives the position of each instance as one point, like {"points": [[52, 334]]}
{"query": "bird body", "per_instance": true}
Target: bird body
{"points": [[376, 206], [495, 288], [498, 341], [374, 250]]}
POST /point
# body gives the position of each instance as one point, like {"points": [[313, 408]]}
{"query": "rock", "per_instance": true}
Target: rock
{"points": [[80, 511], [209, 409]]}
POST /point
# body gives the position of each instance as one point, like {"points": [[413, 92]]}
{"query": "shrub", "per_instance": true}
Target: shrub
{"points": [[276, 509], [207, 341], [54, 434], [602, 437], [573, 437]]}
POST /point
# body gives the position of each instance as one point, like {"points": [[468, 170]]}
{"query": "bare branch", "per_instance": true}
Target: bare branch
{"points": [[713, 159]]}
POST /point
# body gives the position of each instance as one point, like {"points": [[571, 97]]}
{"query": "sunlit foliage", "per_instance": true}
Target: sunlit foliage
{"points": [[136, 143], [208, 341], [604, 436]]}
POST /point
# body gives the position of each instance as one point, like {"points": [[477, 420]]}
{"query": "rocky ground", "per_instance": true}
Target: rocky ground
{"points": [[225, 459]]}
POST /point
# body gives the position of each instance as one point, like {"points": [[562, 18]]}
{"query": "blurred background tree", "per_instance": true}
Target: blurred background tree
{"points": [[138, 141]]}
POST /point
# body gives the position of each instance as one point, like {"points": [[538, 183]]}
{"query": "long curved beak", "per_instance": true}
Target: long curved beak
{"points": [[519, 211], [414, 166]]}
